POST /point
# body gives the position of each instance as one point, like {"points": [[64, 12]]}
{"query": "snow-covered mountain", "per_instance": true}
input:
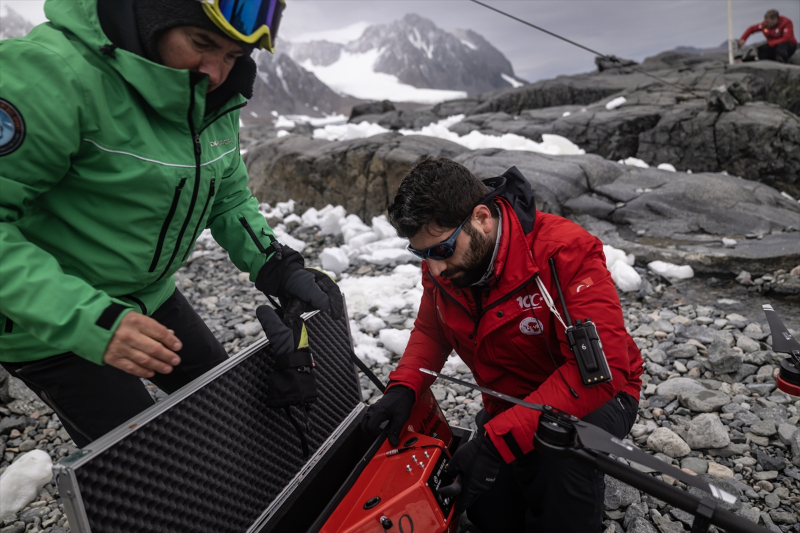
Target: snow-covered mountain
{"points": [[408, 60], [12, 24], [285, 87]]}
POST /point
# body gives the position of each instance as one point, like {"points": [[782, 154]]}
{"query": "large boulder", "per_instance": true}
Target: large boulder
{"points": [[758, 141], [371, 108], [362, 175], [665, 117], [656, 215]]}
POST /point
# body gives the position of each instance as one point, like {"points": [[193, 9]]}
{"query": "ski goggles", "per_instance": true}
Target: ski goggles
{"points": [[252, 21], [443, 250]]}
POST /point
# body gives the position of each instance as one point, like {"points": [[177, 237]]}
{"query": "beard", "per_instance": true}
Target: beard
{"points": [[476, 260]]}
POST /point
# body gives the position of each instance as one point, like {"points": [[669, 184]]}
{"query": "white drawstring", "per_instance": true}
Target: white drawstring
{"points": [[549, 301]]}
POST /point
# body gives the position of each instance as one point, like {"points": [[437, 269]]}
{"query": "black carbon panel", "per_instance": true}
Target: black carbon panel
{"points": [[216, 460]]}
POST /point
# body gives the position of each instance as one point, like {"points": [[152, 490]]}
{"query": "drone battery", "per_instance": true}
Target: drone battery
{"points": [[585, 344]]}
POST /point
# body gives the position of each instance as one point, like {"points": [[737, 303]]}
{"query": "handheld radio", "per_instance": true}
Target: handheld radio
{"points": [[584, 342]]}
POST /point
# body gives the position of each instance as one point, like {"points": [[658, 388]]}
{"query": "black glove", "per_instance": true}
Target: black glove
{"points": [[395, 406], [292, 381], [284, 276], [315, 288], [476, 463]]}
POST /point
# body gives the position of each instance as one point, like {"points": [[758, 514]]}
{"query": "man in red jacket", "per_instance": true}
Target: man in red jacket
{"points": [[485, 270], [781, 43]]}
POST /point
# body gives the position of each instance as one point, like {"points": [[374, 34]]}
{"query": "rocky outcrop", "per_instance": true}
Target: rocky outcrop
{"points": [[657, 215], [700, 115], [362, 175]]}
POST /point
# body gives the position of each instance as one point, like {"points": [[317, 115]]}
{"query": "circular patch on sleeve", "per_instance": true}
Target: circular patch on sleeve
{"points": [[12, 128]]}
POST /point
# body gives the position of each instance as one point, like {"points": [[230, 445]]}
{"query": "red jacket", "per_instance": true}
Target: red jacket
{"points": [[782, 33], [506, 343]]}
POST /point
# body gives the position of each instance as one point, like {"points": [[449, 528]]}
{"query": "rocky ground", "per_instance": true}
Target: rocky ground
{"points": [[709, 403]]}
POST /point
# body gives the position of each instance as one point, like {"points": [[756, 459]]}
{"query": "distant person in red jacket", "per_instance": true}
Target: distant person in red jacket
{"points": [[778, 30], [485, 271]]}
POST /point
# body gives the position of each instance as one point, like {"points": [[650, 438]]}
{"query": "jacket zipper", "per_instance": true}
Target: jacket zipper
{"points": [[165, 227], [234, 108], [203, 214], [481, 313], [252, 235], [198, 150]]}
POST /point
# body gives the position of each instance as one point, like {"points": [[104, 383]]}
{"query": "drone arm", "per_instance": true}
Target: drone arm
{"points": [[672, 495]]}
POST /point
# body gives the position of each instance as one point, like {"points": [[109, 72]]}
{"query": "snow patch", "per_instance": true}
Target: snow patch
{"points": [[334, 259], [346, 132], [468, 44], [511, 81], [372, 324], [395, 340], [621, 268], [366, 346], [354, 74], [282, 133], [671, 271], [402, 289], [633, 162], [388, 257], [551, 144], [615, 103], [666, 166], [284, 122], [317, 121], [416, 40], [21, 483], [452, 363], [279, 72]]}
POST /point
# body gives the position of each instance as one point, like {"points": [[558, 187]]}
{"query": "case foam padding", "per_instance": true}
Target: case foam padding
{"points": [[213, 462]]}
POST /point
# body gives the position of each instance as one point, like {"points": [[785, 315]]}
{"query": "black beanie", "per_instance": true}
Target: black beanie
{"points": [[154, 17]]}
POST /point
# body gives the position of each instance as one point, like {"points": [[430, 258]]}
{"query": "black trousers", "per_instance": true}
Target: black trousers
{"points": [[781, 52], [537, 494], [91, 399]]}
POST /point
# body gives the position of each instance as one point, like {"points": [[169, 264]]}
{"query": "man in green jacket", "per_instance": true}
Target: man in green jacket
{"points": [[118, 145]]}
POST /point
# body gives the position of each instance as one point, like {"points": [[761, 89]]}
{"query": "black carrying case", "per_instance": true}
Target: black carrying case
{"points": [[212, 459]]}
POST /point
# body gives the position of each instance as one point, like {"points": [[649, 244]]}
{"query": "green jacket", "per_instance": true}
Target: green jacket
{"points": [[104, 194]]}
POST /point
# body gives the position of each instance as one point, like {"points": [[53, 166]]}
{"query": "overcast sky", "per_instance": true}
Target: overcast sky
{"points": [[632, 29]]}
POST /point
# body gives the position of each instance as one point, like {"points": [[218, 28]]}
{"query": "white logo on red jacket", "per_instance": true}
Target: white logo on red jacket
{"points": [[531, 300], [530, 326]]}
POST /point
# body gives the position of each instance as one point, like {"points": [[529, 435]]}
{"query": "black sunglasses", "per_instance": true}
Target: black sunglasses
{"points": [[446, 249], [443, 250]]}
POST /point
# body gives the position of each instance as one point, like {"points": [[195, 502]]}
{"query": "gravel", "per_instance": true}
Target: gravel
{"points": [[712, 378]]}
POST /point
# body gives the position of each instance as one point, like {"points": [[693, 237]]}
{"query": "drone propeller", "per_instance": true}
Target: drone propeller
{"points": [[596, 439]]}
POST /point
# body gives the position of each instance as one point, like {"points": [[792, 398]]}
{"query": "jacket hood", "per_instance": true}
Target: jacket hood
{"points": [[516, 190], [167, 90]]}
